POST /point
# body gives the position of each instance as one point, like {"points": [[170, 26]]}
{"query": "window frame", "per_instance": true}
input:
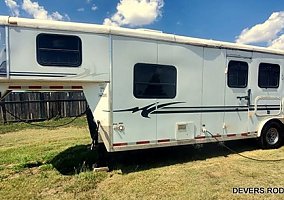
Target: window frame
{"points": [[228, 75], [39, 51], [270, 65], [163, 84]]}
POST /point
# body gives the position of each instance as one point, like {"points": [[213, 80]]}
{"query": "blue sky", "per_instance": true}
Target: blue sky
{"points": [[258, 22]]}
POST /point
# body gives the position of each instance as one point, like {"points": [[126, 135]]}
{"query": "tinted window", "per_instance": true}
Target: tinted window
{"points": [[268, 75], [237, 74], [154, 81], [59, 50]]}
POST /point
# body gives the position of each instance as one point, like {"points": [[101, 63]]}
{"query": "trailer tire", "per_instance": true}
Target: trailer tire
{"points": [[271, 135]]}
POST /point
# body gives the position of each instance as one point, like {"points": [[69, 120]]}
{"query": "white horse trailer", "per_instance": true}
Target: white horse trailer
{"points": [[149, 89]]}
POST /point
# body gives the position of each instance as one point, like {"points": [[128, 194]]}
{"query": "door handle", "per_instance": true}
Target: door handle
{"points": [[243, 97], [246, 97]]}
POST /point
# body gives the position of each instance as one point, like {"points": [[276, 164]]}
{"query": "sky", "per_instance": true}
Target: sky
{"points": [[255, 22]]}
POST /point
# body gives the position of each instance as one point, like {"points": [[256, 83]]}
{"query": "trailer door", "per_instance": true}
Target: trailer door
{"points": [[213, 89], [267, 76], [178, 113], [237, 93], [134, 63]]}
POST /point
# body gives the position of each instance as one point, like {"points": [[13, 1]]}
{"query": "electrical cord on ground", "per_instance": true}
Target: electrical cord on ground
{"points": [[46, 126], [241, 155]]}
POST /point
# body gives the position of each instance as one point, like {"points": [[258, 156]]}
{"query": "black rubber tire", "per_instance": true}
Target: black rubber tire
{"points": [[271, 135]]}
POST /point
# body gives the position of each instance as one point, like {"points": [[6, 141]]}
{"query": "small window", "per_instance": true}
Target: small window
{"points": [[237, 74], [268, 75], [59, 50], [153, 81]]}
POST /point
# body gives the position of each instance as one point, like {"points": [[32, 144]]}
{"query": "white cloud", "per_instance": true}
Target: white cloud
{"points": [[81, 9], [56, 16], [34, 9], [278, 43], [88, 1], [13, 6], [39, 12], [94, 7], [135, 12], [266, 32]]}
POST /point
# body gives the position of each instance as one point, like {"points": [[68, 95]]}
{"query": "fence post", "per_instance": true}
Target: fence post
{"points": [[2, 104]]}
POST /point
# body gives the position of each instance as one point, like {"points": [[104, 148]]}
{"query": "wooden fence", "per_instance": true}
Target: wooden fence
{"points": [[39, 106]]}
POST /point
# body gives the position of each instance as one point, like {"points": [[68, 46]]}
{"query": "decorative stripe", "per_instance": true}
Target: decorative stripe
{"points": [[244, 134], [119, 144], [171, 108], [231, 135], [38, 87], [164, 140], [41, 74], [215, 110], [143, 142], [215, 136], [15, 87], [199, 137]]}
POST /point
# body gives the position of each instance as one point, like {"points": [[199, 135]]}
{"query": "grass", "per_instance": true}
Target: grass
{"points": [[44, 163], [49, 124]]}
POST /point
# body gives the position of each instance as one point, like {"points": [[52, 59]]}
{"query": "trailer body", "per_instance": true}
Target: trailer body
{"points": [[149, 89]]}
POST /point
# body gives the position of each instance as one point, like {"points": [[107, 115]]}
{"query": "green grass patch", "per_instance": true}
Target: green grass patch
{"points": [[48, 124]]}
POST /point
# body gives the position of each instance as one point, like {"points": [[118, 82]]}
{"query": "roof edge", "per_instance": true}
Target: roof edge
{"points": [[139, 33]]}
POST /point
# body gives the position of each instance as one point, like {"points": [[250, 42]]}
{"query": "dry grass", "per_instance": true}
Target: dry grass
{"points": [[202, 176], [34, 164]]}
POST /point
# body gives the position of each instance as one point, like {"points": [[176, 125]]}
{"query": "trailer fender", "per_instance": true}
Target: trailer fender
{"points": [[264, 122]]}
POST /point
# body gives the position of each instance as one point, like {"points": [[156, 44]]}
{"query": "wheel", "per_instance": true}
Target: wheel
{"points": [[271, 135]]}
